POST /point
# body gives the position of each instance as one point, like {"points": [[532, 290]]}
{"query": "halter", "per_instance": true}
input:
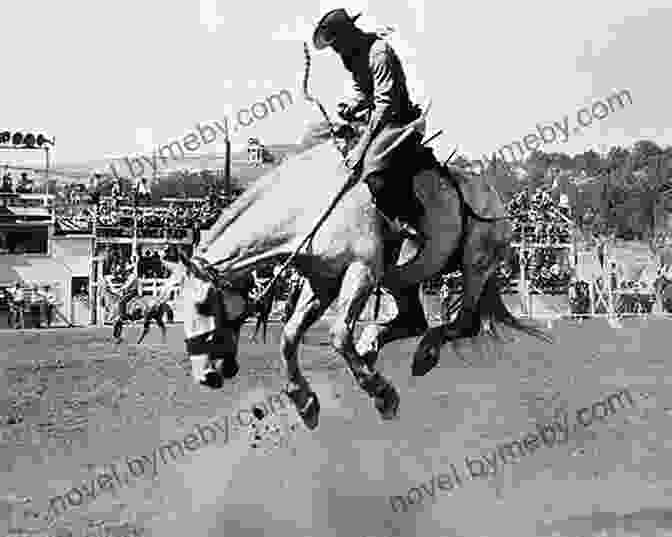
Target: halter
{"points": [[207, 342]]}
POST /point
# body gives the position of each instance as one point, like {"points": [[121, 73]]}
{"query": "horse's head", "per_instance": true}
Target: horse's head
{"points": [[214, 312]]}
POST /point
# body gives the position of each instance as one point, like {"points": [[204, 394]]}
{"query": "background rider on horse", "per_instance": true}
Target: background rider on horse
{"points": [[380, 88], [125, 285]]}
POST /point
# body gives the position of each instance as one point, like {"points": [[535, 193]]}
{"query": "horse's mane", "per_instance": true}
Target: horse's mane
{"points": [[279, 208], [316, 135]]}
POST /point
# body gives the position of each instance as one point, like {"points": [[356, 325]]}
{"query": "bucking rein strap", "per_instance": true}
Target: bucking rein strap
{"points": [[348, 184]]}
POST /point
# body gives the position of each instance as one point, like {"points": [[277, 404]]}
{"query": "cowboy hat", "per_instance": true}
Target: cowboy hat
{"points": [[333, 22]]}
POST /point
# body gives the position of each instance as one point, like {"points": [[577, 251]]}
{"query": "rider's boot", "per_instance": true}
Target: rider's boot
{"points": [[401, 225], [387, 205]]}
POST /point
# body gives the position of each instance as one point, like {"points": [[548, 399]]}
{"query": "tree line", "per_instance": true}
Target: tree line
{"points": [[621, 191]]}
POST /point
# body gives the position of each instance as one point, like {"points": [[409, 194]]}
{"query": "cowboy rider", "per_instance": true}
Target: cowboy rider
{"points": [[16, 306], [380, 87], [127, 290]]}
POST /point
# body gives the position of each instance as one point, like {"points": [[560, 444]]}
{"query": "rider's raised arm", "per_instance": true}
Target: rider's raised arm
{"points": [[358, 101], [388, 84]]}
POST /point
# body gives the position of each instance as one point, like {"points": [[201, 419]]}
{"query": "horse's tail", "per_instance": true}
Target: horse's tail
{"points": [[492, 307]]}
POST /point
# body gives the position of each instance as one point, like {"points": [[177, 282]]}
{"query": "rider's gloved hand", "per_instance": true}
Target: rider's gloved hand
{"points": [[343, 131], [344, 111], [352, 162]]}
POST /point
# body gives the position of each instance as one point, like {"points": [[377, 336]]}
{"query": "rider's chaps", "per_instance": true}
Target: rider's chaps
{"points": [[395, 196]]}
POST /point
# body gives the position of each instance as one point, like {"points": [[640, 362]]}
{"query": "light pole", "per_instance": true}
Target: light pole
{"points": [[29, 142], [46, 170], [227, 166]]}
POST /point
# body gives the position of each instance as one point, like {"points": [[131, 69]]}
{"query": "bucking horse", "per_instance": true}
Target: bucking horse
{"points": [[349, 251], [145, 308]]}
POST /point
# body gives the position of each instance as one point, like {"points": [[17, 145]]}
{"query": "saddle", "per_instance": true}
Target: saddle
{"points": [[423, 179], [419, 177], [394, 143], [397, 150], [476, 191]]}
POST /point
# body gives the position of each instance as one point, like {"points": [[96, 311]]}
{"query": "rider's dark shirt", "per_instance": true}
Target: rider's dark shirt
{"points": [[379, 81]]}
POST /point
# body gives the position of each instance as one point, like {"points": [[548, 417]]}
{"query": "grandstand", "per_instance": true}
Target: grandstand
{"points": [[543, 257], [69, 252], [31, 255]]}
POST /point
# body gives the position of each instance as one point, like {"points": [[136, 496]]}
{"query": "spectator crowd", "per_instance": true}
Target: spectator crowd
{"points": [[30, 302], [10, 185], [115, 217], [537, 219]]}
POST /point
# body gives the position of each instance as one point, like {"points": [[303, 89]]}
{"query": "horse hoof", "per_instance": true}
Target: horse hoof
{"points": [[424, 360], [308, 407], [387, 403], [212, 380]]}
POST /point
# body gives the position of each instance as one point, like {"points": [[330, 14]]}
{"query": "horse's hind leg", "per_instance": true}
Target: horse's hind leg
{"points": [[145, 328], [314, 300], [356, 288], [253, 337], [162, 326], [479, 263]]}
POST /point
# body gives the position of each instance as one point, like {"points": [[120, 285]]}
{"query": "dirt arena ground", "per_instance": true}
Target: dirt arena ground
{"points": [[73, 403]]}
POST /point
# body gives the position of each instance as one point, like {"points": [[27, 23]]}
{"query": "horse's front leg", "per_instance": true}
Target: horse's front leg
{"points": [[312, 304], [253, 338], [162, 326], [356, 288], [409, 322], [264, 326]]}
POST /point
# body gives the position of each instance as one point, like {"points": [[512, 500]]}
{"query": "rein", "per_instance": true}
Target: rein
{"points": [[348, 184], [207, 342]]}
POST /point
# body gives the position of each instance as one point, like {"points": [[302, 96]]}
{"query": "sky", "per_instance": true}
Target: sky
{"points": [[110, 79]]}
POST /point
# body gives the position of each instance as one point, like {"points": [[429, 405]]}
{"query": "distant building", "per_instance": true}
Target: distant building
{"points": [[32, 253]]}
